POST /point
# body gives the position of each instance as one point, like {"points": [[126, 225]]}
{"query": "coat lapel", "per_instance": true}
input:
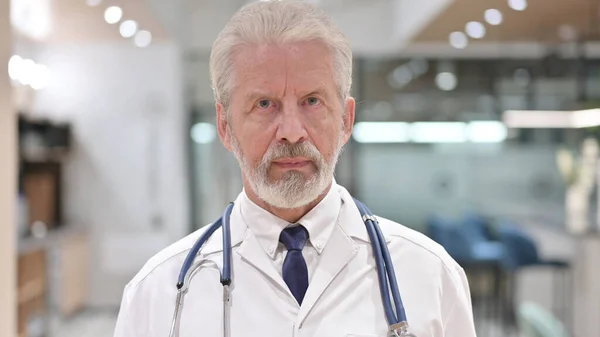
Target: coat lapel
{"points": [[251, 251], [337, 254]]}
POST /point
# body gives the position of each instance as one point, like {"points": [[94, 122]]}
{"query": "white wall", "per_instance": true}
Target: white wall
{"points": [[126, 179], [8, 185]]}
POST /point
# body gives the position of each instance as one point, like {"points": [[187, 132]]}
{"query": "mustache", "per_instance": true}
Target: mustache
{"points": [[304, 149]]}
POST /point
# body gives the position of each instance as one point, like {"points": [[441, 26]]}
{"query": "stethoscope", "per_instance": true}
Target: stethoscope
{"points": [[395, 314]]}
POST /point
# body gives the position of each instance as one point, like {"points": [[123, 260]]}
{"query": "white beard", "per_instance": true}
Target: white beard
{"points": [[293, 190]]}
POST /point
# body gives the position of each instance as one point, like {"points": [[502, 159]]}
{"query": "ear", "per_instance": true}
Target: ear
{"points": [[222, 126], [348, 118]]}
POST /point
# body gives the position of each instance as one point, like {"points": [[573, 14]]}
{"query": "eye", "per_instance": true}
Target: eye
{"points": [[313, 101], [264, 104]]}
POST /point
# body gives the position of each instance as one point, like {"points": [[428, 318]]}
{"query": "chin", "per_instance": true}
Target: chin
{"points": [[291, 190], [291, 175]]}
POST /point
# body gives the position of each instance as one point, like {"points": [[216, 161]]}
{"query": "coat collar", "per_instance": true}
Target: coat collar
{"points": [[350, 221], [238, 231]]}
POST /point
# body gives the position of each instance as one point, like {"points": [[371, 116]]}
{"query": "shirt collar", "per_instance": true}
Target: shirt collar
{"points": [[319, 222]]}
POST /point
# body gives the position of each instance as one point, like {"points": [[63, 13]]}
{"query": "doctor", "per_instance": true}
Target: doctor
{"points": [[302, 262]]}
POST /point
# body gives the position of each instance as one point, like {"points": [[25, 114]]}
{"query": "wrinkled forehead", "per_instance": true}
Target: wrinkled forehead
{"points": [[283, 68]]}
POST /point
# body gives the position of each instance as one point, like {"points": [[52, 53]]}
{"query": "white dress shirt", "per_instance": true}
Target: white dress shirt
{"points": [[319, 223]]}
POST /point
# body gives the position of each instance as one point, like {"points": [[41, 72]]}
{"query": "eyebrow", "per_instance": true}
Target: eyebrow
{"points": [[318, 90], [253, 95]]}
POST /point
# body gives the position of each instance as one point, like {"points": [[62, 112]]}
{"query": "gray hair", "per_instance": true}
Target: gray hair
{"points": [[280, 22]]}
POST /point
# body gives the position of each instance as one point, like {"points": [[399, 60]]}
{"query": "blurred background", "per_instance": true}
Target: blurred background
{"points": [[478, 124]]}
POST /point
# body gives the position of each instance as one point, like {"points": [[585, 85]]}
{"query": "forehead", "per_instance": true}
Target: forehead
{"points": [[301, 66]]}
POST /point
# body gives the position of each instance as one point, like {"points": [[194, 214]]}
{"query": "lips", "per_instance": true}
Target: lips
{"points": [[292, 162]]}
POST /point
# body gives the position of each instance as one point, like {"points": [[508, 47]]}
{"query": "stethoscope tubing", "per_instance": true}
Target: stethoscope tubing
{"points": [[385, 268]]}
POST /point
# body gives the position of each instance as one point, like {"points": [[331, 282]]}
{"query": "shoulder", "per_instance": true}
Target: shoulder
{"points": [[431, 264], [152, 290], [420, 246]]}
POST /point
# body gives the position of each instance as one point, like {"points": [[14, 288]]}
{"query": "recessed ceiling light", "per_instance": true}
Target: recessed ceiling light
{"points": [[475, 29], [113, 14], [493, 16], [128, 28], [458, 40], [142, 39], [518, 5]]}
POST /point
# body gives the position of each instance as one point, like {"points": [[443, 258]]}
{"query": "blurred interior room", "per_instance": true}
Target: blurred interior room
{"points": [[478, 124]]}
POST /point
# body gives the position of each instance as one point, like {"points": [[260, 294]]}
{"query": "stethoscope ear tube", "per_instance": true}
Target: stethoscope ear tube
{"points": [[191, 257], [226, 275], [385, 268], [389, 266], [381, 271]]}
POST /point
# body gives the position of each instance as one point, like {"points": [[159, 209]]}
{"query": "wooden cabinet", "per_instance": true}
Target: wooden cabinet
{"points": [[32, 291], [53, 279]]}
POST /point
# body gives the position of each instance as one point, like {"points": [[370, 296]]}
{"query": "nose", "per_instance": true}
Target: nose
{"points": [[291, 126]]}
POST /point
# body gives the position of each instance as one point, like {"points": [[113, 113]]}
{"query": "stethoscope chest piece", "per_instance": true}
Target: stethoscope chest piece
{"points": [[401, 334], [400, 330]]}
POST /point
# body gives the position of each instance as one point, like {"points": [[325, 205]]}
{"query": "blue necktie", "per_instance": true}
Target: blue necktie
{"points": [[295, 272]]}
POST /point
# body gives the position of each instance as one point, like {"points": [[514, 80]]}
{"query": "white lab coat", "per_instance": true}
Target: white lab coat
{"points": [[343, 297]]}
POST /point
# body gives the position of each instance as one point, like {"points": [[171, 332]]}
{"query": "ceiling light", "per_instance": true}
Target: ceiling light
{"points": [[493, 16], [586, 118], [381, 132], [93, 3], [536, 119], [26, 72], [142, 39], [438, 132], [15, 66], [475, 29], [430, 132], [551, 119], [203, 133], [518, 5], [458, 40], [402, 75], [486, 132], [446, 81], [418, 66], [113, 15], [128, 28]]}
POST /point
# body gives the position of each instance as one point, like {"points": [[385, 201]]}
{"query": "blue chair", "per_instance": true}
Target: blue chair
{"points": [[477, 225], [466, 248], [522, 248], [471, 247]]}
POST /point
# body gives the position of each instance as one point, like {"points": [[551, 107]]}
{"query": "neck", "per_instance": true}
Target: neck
{"points": [[291, 215]]}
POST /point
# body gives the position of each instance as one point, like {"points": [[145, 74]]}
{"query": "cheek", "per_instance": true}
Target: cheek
{"points": [[327, 142], [255, 146]]}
